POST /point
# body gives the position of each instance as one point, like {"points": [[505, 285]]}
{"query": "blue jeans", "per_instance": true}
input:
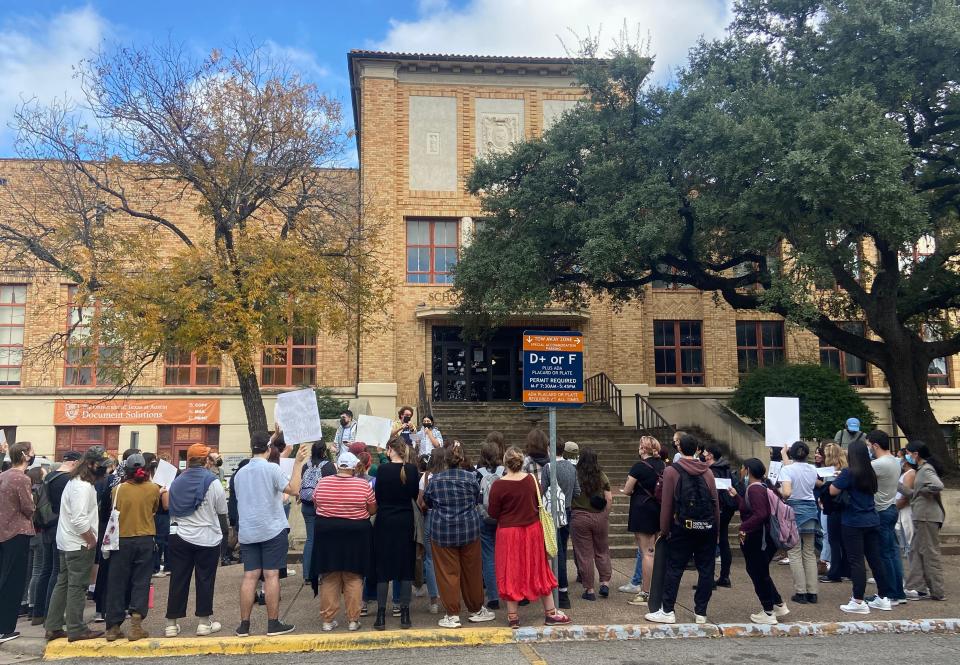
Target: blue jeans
{"points": [[309, 519], [637, 578], [488, 541], [890, 554], [162, 524], [428, 575]]}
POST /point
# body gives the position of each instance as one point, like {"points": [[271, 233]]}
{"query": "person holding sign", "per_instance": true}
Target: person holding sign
{"points": [[798, 482], [402, 427], [263, 527]]}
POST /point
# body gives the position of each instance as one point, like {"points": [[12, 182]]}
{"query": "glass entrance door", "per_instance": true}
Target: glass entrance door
{"points": [[477, 372]]}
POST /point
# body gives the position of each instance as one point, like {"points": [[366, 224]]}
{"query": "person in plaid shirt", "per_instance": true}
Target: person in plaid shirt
{"points": [[453, 495]]}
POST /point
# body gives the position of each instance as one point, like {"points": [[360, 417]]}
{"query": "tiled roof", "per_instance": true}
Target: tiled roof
{"points": [[453, 56]]}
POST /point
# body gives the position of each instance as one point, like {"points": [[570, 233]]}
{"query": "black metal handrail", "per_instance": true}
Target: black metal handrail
{"points": [[601, 388], [423, 398], [649, 419]]}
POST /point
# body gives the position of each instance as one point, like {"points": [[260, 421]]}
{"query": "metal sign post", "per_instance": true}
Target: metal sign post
{"points": [[553, 377]]}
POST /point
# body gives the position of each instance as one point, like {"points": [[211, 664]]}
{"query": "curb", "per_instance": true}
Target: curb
{"points": [[431, 638]]}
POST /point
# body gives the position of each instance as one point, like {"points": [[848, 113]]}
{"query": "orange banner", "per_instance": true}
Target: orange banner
{"points": [[552, 343], [137, 412]]}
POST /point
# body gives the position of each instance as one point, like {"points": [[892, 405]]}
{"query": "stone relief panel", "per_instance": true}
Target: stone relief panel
{"points": [[432, 150], [553, 109], [499, 124]]}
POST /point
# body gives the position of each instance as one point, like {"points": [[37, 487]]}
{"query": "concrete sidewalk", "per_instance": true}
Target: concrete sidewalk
{"points": [[298, 606]]}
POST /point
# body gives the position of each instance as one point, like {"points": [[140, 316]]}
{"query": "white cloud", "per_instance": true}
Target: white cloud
{"points": [[535, 27], [37, 56], [302, 60]]}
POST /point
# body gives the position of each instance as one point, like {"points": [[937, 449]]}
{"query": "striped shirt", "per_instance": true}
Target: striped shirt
{"points": [[345, 497]]}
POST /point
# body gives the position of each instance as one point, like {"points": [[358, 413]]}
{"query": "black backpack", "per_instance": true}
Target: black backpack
{"points": [[693, 503], [44, 516]]}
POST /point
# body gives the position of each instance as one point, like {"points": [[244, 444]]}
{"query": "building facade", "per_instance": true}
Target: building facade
{"points": [[421, 120]]}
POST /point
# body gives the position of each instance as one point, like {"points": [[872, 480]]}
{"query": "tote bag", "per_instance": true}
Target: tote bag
{"points": [[111, 535], [546, 521]]}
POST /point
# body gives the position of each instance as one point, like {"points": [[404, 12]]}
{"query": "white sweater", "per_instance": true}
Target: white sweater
{"points": [[78, 514]]}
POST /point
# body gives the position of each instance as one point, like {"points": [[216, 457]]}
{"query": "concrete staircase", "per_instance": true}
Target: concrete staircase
{"points": [[593, 425]]}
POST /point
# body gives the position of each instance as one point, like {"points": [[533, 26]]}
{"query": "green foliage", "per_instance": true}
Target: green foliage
{"points": [[329, 405], [826, 399]]}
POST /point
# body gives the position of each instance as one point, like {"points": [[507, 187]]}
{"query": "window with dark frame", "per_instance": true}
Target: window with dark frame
{"points": [[13, 299], [678, 353], [86, 362], [432, 247], [852, 368], [291, 363], [186, 368], [759, 344]]}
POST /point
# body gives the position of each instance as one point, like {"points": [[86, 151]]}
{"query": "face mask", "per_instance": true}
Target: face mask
{"points": [[30, 460], [910, 459], [428, 425], [406, 419], [343, 421], [219, 462], [99, 471]]}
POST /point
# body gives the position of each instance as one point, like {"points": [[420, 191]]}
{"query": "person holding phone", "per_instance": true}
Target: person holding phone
{"points": [[429, 436], [403, 427]]}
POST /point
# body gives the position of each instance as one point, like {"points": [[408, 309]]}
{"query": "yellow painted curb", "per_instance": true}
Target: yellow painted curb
{"points": [[229, 646]]}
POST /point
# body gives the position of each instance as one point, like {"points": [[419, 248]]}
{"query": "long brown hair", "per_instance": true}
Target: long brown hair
{"points": [[401, 449], [589, 472]]}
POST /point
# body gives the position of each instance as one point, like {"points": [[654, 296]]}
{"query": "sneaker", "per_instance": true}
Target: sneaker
{"points": [[157, 574], [661, 617], [329, 627], [722, 582], [699, 619], [629, 588], [785, 561], [564, 600], [277, 627], [604, 591], [482, 615], [871, 580], [781, 610], [880, 604], [898, 601], [824, 579], [353, 626], [799, 598], [364, 610], [588, 596], [243, 630], [556, 619], [396, 611], [172, 631], [764, 618], [449, 621], [98, 617], [639, 600], [434, 608], [812, 598], [6, 637], [916, 595], [856, 607], [209, 628]]}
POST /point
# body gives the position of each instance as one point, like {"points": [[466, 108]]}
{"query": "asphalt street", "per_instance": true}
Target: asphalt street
{"points": [[865, 649]]}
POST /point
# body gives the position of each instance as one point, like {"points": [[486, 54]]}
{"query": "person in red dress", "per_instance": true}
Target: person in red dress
{"points": [[521, 558]]}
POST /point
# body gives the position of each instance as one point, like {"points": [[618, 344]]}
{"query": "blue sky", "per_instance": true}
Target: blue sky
{"points": [[41, 40]]}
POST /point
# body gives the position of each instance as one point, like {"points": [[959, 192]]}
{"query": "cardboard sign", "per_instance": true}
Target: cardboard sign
{"points": [[826, 472], [723, 483], [781, 421], [298, 416], [165, 474], [373, 431]]}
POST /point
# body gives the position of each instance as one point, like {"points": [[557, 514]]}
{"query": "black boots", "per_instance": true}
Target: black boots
{"points": [[381, 622], [405, 616]]}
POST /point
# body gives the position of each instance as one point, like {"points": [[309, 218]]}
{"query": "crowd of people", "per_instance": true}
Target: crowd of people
{"points": [[418, 518]]}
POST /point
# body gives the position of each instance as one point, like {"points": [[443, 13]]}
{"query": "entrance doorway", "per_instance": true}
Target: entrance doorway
{"points": [[488, 371], [174, 441]]}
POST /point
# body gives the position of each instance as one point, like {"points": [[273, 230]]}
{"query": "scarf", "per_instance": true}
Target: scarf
{"points": [[188, 491]]}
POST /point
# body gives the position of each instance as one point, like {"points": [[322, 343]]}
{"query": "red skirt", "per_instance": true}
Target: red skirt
{"points": [[523, 571]]}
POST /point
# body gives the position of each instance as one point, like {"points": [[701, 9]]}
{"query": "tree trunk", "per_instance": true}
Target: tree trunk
{"points": [[250, 393], [907, 377]]}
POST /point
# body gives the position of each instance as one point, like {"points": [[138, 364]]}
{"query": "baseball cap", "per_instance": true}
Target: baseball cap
{"points": [[853, 424], [347, 461], [72, 456], [97, 454], [198, 450], [135, 461], [571, 447]]}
